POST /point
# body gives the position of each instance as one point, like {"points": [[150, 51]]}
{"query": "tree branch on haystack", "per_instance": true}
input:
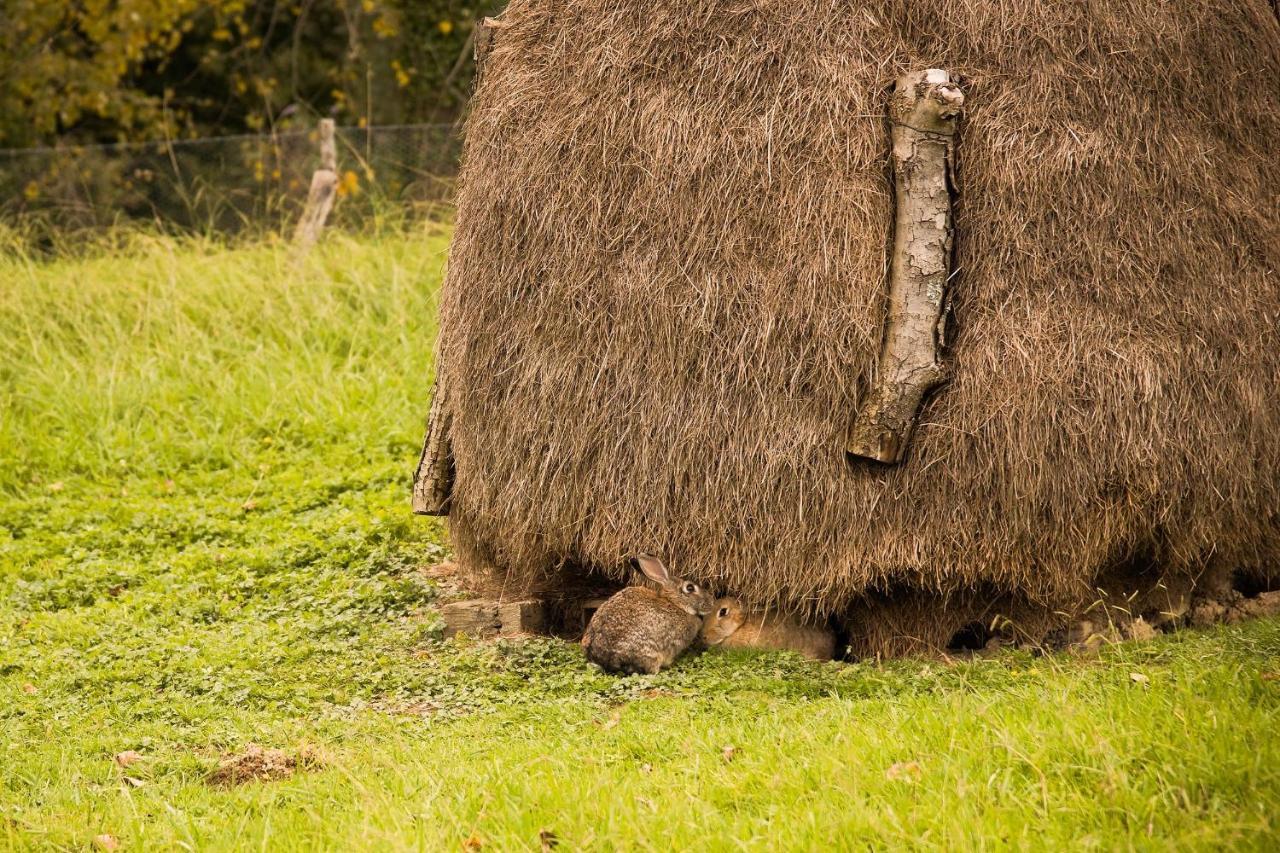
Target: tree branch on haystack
{"points": [[433, 481], [924, 110]]}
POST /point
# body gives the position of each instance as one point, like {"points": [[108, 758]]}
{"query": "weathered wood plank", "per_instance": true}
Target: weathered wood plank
{"points": [[477, 618]]}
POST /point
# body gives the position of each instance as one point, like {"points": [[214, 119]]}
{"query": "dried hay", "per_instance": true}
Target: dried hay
{"points": [[667, 283]]}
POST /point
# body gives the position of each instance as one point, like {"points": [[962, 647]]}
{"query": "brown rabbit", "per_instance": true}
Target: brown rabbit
{"points": [[732, 626], [644, 630]]}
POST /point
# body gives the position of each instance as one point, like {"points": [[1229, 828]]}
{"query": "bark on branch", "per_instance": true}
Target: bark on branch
{"points": [[433, 481], [924, 109]]}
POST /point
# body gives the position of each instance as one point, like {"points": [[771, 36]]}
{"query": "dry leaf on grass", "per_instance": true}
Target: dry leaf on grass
{"points": [[728, 752], [906, 771], [447, 569], [106, 842], [472, 843], [1138, 678], [129, 756], [29, 689]]}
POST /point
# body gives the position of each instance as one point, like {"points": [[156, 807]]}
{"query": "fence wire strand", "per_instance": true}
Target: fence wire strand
{"points": [[228, 184]]}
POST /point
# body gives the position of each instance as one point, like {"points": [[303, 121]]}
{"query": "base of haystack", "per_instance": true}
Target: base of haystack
{"points": [[1125, 605], [482, 603]]}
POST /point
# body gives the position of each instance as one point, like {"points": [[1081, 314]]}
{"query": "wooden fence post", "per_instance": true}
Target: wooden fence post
{"points": [[324, 188]]}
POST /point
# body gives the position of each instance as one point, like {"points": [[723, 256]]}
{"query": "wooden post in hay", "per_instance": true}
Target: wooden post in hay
{"points": [[924, 109], [483, 41], [433, 481], [482, 36], [324, 188]]}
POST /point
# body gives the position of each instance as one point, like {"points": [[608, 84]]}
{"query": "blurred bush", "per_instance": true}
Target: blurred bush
{"points": [[102, 71]]}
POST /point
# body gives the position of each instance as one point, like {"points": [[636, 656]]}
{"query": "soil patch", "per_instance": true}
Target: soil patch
{"points": [[260, 764]]}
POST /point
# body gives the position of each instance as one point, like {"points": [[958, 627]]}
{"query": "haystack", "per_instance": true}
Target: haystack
{"points": [[666, 298]]}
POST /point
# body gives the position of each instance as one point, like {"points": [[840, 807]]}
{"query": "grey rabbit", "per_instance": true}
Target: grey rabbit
{"points": [[641, 630]]}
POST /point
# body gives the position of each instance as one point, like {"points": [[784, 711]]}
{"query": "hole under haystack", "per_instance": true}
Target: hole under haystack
{"points": [[1253, 583], [971, 637]]}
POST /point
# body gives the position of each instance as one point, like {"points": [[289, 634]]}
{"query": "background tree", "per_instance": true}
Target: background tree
{"points": [[110, 70]]}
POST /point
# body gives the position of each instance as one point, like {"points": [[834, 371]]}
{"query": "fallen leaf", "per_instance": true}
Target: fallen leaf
{"points": [[29, 688], [727, 753], [1138, 678], [106, 842], [134, 782], [548, 840], [249, 504], [907, 771], [446, 569], [472, 843], [129, 756]]}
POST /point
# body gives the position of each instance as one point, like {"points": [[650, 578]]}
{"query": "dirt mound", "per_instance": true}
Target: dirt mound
{"points": [[255, 763]]}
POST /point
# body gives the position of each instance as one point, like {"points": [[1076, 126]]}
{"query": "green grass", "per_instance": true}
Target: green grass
{"points": [[205, 542]]}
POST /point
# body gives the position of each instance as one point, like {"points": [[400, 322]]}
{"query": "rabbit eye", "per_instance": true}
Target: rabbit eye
{"points": [[690, 588], [724, 611]]}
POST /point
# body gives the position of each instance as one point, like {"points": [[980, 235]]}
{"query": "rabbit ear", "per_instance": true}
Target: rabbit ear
{"points": [[653, 569]]}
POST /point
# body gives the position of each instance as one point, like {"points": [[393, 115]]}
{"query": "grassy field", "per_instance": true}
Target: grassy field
{"points": [[205, 543]]}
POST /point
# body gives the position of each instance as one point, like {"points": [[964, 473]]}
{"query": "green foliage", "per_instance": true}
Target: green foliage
{"points": [[107, 70], [205, 542]]}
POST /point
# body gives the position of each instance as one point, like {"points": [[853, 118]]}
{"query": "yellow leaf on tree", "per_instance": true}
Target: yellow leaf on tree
{"points": [[350, 183]]}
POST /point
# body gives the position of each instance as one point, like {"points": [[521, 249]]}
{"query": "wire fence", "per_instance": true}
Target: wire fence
{"points": [[228, 184]]}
